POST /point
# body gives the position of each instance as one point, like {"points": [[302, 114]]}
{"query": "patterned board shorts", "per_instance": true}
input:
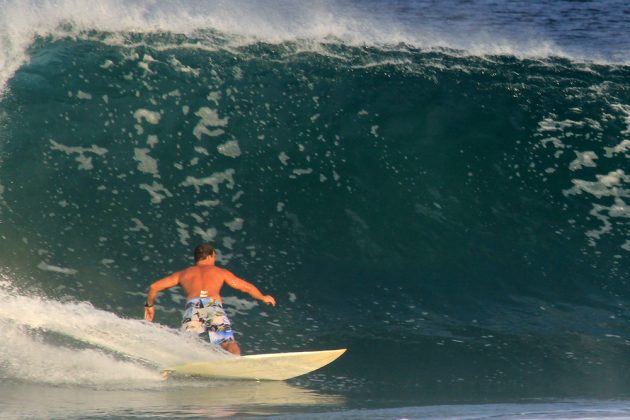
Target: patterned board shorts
{"points": [[206, 317]]}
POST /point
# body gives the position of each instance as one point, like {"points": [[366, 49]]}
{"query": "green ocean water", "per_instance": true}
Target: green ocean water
{"points": [[458, 222]]}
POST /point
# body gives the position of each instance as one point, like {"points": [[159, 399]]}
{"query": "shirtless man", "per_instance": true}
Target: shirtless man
{"points": [[204, 310]]}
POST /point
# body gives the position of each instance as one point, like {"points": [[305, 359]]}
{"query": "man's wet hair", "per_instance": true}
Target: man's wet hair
{"points": [[203, 251]]}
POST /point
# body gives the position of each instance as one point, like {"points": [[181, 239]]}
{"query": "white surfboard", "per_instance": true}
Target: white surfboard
{"points": [[274, 367]]}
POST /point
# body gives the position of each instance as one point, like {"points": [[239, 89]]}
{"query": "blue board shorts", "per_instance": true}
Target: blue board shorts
{"points": [[206, 317]]}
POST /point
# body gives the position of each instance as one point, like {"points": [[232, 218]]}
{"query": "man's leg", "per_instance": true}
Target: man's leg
{"points": [[232, 347]]}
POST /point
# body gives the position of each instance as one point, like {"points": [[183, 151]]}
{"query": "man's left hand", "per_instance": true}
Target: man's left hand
{"points": [[269, 300]]}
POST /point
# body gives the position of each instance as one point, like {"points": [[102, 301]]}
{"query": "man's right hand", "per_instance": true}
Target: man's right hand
{"points": [[149, 313]]}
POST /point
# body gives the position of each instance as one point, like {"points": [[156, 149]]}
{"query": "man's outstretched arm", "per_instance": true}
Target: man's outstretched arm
{"points": [[165, 283], [247, 287]]}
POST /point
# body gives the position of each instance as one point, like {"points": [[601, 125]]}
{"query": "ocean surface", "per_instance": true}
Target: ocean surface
{"points": [[441, 187]]}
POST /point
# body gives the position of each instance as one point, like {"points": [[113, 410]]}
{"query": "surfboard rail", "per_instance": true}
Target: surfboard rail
{"points": [[272, 366]]}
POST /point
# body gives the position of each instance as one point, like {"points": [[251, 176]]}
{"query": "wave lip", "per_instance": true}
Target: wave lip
{"points": [[280, 21]]}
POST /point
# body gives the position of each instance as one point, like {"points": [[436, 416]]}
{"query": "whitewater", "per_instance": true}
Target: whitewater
{"points": [[440, 188], [322, 21]]}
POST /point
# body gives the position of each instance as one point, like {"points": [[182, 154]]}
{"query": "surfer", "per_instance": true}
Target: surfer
{"points": [[204, 312]]}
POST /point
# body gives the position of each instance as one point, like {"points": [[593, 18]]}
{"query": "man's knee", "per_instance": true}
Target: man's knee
{"points": [[232, 347]]}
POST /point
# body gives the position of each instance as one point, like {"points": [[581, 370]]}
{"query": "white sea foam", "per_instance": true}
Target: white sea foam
{"points": [[84, 95], [26, 357], [625, 110], [563, 135], [146, 163], [182, 230], [138, 225], [604, 214], [213, 180], [157, 191], [235, 305], [207, 235], [152, 117], [208, 203], [609, 185], [583, 159], [85, 162], [230, 148], [56, 269], [209, 118], [621, 148], [228, 242], [283, 158], [178, 66], [299, 172], [236, 224], [76, 343]]}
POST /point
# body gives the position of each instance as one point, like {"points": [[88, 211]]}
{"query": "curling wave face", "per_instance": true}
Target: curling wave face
{"points": [[454, 205]]}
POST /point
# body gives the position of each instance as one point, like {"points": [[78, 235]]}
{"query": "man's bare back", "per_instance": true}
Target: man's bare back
{"points": [[207, 280], [204, 280]]}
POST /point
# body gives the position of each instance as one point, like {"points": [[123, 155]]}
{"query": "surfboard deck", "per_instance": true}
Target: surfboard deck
{"points": [[272, 367]]}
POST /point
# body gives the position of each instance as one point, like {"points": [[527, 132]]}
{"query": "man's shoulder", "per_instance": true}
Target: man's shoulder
{"points": [[221, 270]]}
